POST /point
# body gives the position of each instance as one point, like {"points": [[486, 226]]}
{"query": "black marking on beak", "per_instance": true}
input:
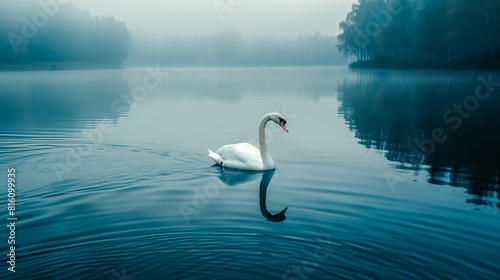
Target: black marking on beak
{"points": [[282, 123]]}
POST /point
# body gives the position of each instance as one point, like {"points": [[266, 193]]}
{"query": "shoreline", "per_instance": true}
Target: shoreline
{"points": [[54, 66], [370, 65], [76, 66]]}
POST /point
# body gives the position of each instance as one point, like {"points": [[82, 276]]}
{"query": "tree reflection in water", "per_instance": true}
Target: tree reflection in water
{"points": [[396, 112]]}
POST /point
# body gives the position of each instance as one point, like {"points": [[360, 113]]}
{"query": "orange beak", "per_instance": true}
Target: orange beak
{"points": [[282, 124]]}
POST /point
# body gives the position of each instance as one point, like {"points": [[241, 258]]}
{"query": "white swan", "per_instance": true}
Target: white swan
{"points": [[245, 156]]}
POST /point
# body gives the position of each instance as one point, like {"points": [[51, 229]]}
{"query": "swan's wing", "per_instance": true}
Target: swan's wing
{"points": [[246, 152], [243, 152], [241, 156]]}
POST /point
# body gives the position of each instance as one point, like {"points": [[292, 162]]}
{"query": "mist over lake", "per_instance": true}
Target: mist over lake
{"points": [[249, 140]]}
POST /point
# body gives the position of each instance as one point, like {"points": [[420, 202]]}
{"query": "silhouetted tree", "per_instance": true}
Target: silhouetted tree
{"points": [[423, 33]]}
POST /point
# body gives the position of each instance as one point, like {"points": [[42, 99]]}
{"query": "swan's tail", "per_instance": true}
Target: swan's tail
{"points": [[216, 157]]}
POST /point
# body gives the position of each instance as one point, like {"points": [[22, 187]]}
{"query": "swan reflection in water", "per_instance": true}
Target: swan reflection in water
{"points": [[236, 177]]}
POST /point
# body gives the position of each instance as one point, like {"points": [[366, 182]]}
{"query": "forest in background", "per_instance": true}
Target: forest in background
{"points": [[48, 33], [40, 35], [51, 35], [233, 49], [453, 34]]}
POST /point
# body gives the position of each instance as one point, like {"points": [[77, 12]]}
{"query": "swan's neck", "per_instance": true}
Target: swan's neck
{"points": [[264, 152]]}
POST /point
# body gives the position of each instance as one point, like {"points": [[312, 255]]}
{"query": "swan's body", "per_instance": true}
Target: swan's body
{"points": [[245, 156], [240, 156]]}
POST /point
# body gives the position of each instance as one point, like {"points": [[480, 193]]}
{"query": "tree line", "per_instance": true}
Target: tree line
{"points": [[55, 31], [422, 33], [233, 49]]}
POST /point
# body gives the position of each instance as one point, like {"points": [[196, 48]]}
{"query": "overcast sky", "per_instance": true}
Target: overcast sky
{"points": [[250, 17]]}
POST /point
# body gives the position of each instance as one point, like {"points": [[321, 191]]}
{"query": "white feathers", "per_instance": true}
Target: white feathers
{"points": [[215, 157], [245, 156]]}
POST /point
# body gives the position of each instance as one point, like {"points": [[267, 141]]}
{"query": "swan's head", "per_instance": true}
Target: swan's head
{"points": [[277, 118]]}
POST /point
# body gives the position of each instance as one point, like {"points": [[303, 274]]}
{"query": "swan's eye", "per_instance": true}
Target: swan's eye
{"points": [[282, 121]]}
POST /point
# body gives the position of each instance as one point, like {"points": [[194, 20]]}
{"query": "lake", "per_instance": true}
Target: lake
{"points": [[383, 175]]}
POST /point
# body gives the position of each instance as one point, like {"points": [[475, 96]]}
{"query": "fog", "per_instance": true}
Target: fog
{"points": [[233, 49], [47, 32], [248, 17], [59, 34]]}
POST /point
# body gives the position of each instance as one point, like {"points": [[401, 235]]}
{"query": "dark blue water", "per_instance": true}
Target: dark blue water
{"points": [[111, 190]]}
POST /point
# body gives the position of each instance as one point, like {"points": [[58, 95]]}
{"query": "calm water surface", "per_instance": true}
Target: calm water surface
{"points": [[143, 199]]}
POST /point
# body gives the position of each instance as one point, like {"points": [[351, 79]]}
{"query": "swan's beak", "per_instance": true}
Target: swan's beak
{"points": [[282, 124]]}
